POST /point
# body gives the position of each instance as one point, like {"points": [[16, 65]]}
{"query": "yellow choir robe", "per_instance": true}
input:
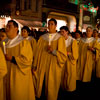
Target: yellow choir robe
{"points": [[33, 43], [86, 59], [49, 65], [19, 82], [3, 72], [78, 41], [69, 69], [97, 66]]}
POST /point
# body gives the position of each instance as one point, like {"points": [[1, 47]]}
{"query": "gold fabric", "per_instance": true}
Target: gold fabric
{"points": [[86, 60], [49, 66], [3, 72], [19, 81], [69, 70]]}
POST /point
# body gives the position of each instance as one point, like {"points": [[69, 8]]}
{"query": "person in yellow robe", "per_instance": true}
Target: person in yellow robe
{"points": [[95, 34], [3, 37], [25, 34], [88, 53], [50, 58], [25, 31], [3, 72], [19, 56], [78, 35], [69, 69], [97, 63]]}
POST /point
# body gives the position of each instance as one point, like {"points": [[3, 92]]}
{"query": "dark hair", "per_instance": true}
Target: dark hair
{"points": [[89, 27], [2, 30], [77, 31], [26, 28], [54, 20], [95, 30], [14, 23], [65, 28]]}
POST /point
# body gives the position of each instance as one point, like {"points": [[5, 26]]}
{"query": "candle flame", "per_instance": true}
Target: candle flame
{"points": [[3, 43], [50, 36]]}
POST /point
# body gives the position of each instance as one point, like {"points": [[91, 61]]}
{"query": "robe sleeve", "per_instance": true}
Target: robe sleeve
{"points": [[74, 54], [37, 51], [61, 52], [3, 66], [33, 44], [25, 58], [97, 48]]}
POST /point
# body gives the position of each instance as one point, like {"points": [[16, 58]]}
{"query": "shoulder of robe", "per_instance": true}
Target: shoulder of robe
{"points": [[45, 36], [42, 37], [74, 41], [60, 37], [24, 42], [31, 38]]}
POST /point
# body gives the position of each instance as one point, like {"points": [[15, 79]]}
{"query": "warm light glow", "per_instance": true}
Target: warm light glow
{"points": [[3, 20], [7, 19], [83, 30]]}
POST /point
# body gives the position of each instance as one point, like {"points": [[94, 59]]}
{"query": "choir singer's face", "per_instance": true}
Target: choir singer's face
{"points": [[2, 36], [89, 32], [51, 25], [77, 35], [95, 34], [64, 32], [24, 33], [11, 30]]}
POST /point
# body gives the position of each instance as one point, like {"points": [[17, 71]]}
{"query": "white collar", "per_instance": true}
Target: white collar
{"points": [[54, 36], [69, 41], [51, 36], [13, 42], [78, 39], [29, 38], [88, 40]]}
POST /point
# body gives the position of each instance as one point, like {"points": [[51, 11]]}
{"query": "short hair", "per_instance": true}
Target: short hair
{"points": [[89, 27], [14, 23], [26, 28], [65, 28], [77, 31], [2, 30], [95, 30], [54, 20]]}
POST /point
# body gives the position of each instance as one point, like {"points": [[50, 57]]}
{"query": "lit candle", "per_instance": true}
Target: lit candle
{"points": [[50, 39], [4, 48]]}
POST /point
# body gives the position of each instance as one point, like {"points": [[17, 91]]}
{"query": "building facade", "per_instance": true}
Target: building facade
{"points": [[36, 13], [26, 12], [65, 11]]}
